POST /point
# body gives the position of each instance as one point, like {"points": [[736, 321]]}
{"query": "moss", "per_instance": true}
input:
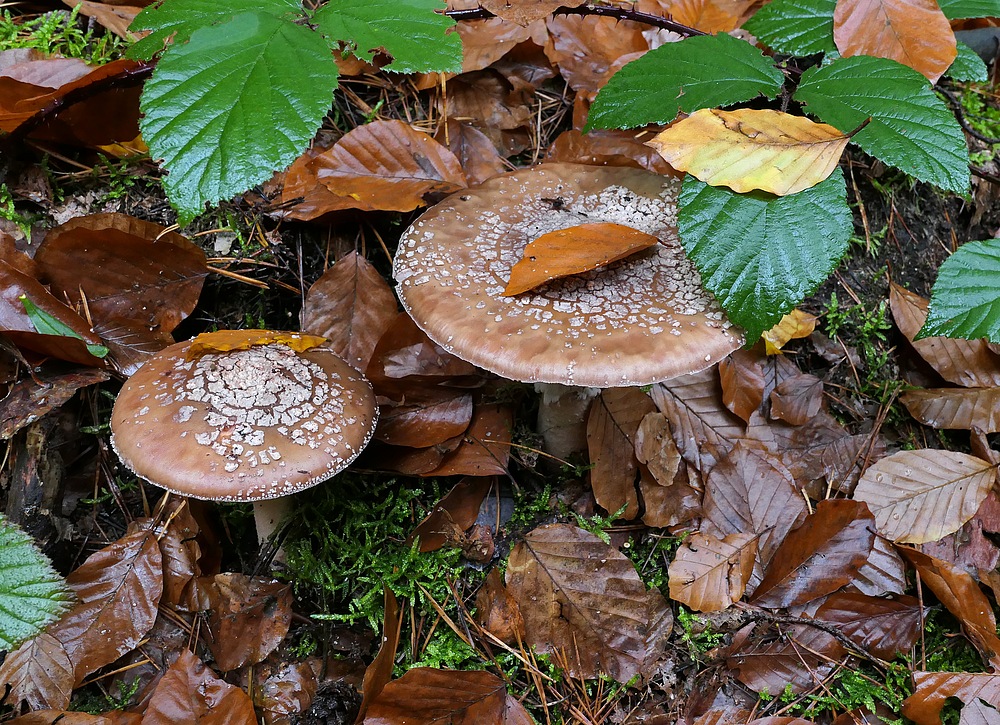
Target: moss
{"points": [[59, 33]]}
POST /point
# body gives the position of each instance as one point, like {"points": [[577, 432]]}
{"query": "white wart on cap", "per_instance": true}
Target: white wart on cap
{"points": [[637, 321], [244, 425]]}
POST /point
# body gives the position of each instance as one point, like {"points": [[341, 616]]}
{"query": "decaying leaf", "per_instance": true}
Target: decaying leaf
{"points": [[427, 417], [287, 693], [655, 448], [248, 619], [473, 149], [523, 12], [229, 340], [932, 690], [601, 147], [955, 408], [453, 514], [742, 383], [33, 397], [379, 672], [189, 693], [484, 448], [612, 426], [497, 610], [799, 657], [883, 627], [709, 574], [797, 400], [38, 673], [921, 496], [429, 695]]}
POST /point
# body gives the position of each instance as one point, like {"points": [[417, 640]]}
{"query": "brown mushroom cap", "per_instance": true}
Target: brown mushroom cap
{"points": [[244, 425], [637, 321]]}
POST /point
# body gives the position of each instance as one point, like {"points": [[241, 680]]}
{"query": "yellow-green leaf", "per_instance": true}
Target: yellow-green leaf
{"points": [[749, 149]]}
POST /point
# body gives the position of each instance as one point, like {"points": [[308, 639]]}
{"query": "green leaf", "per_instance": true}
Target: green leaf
{"points": [[760, 254], [911, 128], [961, 9], [409, 30], [181, 18], [700, 72], [32, 594], [234, 103], [795, 27], [965, 299], [46, 324], [967, 66]]}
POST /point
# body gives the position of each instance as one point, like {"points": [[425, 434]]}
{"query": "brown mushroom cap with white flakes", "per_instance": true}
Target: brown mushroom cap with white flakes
{"points": [[640, 320], [244, 425]]}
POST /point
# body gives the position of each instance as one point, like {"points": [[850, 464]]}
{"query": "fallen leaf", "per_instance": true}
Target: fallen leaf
{"points": [[793, 326], [883, 572], [655, 448], [797, 400], [426, 695], [882, 627], [922, 496], [497, 611], [978, 712], [708, 16], [742, 379], [750, 149], [710, 574], [379, 673], [287, 693], [189, 693], [932, 690], [606, 147], [38, 673], [800, 657], [248, 618], [485, 448], [586, 48], [32, 398], [523, 12], [955, 408], [454, 513], [427, 417], [672, 502], [489, 100], [473, 149], [612, 425]]}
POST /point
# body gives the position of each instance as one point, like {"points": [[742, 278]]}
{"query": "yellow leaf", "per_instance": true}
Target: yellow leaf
{"points": [[230, 340], [574, 250], [748, 149], [792, 326]]}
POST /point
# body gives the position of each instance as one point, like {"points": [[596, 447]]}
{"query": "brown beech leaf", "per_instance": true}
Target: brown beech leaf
{"points": [[181, 552], [797, 400], [585, 48], [386, 166], [426, 695], [119, 590], [582, 598], [913, 32], [456, 512], [709, 574], [705, 15], [655, 448], [670, 503], [704, 430], [922, 496], [883, 572], [932, 690], [611, 433], [969, 363], [742, 383], [352, 306], [485, 447], [882, 627], [34, 397], [497, 611], [38, 673], [473, 148], [488, 99], [114, 17], [954, 408], [800, 657], [750, 491], [248, 618], [608, 147], [961, 595], [287, 693], [62, 717], [229, 340], [188, 692], [426, 418], [819, 557], [574, 250], [523, 12], [379, 673]]}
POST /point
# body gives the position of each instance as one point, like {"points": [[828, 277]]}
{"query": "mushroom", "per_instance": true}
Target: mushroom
{"points": [[256, 423], [637, 321]]}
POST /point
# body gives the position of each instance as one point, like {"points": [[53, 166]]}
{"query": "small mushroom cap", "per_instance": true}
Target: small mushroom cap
{"points": [[244, 425], [640, 320]]}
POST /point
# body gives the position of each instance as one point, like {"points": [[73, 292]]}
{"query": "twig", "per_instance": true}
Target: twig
{"points": [[603, 11]]}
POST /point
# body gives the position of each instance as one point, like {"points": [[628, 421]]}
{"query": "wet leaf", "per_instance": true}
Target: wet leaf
{"points": [[750, 149], [978, 712], [706, 15], [611, 434], [922, 496], [954, 408], [709, 574], [188, 692], [60, 717], [352, 306], [379, 673], [287, 693], [655, 448], [523, 12], [913, 32], [797, 400], [883, 572], [32, 398], [673, 502], [819, 557], [248, 618], [473, 149], [742, 383], [181, 552], [39, 673], [964, 302], [932, 690], [425, 695], [456, 512], [46, 324], [488, 99], [585, 49], [608, 148], [428, 417], [583, 598], [485, 447], [793, 326], [799, 657], [230, 340], [497, 611], [882, 627]]}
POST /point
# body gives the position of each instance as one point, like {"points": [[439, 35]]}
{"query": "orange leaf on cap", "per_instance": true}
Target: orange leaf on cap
{"points": [[574, 250], [229, 340]]}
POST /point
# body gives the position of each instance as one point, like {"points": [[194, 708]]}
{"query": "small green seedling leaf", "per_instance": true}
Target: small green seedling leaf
{"points": [[700, 72], [967, 66], [32, 594], [759, 254], [409, 30], [962, 9], [234, 103], [965, 299], [180, 18], [910, 127], [46, 324], [795, 27]]}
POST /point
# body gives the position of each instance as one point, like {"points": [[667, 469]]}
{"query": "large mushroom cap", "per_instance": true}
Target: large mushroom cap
{"points": [[244, 425], [640, 320]]}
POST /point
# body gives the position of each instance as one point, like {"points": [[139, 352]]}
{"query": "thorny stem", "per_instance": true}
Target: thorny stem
{"points": [[604, 11]]}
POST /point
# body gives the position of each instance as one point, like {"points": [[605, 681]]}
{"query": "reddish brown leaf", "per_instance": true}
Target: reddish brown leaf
{"points": [[611, 434], [119, 589], [523, 12], [425, 695], [474, 150], [497, 610], [189, 693], [61, 717], [32, 398], [674, 502], [379, 672], [426, 418], [489, 100], [487, 41], [846, 458], [605, 147], [586, 48], [287, 693], [970, 363], [819, 557], [742, 381], [180, 549], [114, 17], [913, 32], [800, 658], [797, 400], [456, 512], [584, 599], [705, 15], [232, 340], [352, 306], [485, 447], [882, 627], [961, 595], [655, 448], [932, 690], [709, 574], [954, 408], [39, 673], [248, 618]]}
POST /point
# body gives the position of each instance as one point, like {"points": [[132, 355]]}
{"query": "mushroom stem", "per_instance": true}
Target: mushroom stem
{"points": [[267, 515], [562, 417]]}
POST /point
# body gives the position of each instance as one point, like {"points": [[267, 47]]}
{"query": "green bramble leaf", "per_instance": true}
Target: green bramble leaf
{"points": [[180, 18], [409, 30], [700, 72], [46, 324], [32, 594], [234, 103], [962, 9], [795, 27], [965, 299], [910, 127], [760, 254], [967, 66]]}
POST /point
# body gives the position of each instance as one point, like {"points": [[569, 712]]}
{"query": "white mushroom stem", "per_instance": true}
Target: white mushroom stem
{"points": [[562, 417], [267, 515]]}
